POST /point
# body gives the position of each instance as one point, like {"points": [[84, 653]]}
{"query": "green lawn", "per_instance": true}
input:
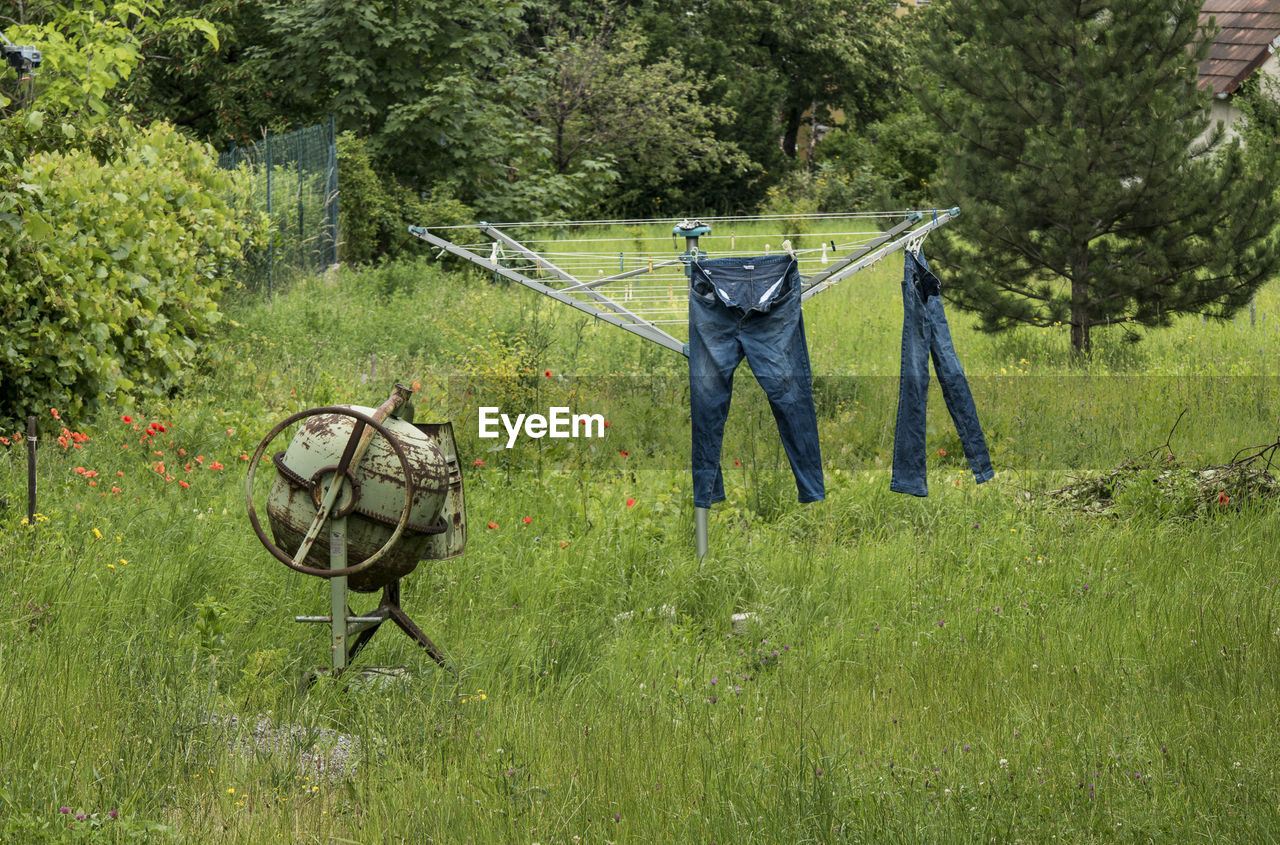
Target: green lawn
{"points": [[985, 664]]}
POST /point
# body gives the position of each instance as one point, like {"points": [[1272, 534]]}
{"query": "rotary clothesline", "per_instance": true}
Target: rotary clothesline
{"points": [[650, 300]]}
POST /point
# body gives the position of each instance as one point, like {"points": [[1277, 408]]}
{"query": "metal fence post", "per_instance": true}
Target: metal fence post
{"points": [[271, 245], [302, 248], [31, 474], [331, 197]]}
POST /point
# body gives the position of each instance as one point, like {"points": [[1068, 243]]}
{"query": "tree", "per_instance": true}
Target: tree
{"points": [[417, 79], [215, 89], [775, 66], [828, 55], [596, 107], [1094, 191]]}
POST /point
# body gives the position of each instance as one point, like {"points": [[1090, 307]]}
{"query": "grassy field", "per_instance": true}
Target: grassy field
{"points": [[991, 663]]}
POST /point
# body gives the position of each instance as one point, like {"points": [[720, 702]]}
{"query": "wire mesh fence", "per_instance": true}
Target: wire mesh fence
{"points": [[293, 178]]}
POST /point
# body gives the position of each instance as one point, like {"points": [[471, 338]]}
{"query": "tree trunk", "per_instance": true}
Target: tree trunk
{"points": [[1080, 315], [794, 118]]}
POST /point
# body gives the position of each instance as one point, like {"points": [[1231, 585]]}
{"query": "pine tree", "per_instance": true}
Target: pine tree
{"points": [[1094, 191]]}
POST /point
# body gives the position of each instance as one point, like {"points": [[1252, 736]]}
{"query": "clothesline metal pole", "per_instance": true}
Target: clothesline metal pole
{"points": [[692, 230]]}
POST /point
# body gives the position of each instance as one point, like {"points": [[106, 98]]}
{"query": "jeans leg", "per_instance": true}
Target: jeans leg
{"points": [[913, 393], [775, 348], [956, 393], [714, 353]]}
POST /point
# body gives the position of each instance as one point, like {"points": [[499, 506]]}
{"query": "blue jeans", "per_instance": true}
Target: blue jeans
{"points": [[924, 334], [750, 307]]}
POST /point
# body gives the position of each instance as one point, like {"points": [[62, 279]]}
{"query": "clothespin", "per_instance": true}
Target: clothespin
{"points": [[494, 253], [824, 253], [786, 245]]}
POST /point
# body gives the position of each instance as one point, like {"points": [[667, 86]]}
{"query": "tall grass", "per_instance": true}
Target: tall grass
{"points": [[976, 665]]}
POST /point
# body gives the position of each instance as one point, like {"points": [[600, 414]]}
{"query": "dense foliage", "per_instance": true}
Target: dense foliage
{"points": [[1082, 206], [112, 280], [1094, 191], [542, 107], [117, 239]]}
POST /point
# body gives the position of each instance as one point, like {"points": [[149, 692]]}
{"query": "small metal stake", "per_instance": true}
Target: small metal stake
{"points": [[31, 474]]}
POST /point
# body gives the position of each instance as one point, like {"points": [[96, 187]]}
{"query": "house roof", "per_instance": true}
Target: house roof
{"points": [[1249, 32]]}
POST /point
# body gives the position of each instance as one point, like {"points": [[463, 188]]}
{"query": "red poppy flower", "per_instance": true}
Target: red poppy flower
{"points": [[624, 453], [528, 519], [477, 463], [183, 484], [547, 374], [631, 503], [126, 419], [1223, 498], [493, 526]]}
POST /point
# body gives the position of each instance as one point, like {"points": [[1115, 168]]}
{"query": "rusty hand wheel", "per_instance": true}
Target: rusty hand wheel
{"points": [[340, 473]]}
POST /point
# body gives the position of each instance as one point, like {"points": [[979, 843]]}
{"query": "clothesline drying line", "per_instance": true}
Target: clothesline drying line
{"points": [[586, 295], [774, 237], [652, 221]]}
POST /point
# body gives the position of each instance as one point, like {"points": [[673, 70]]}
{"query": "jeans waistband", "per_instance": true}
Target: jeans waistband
{"points": [[747, 284]]}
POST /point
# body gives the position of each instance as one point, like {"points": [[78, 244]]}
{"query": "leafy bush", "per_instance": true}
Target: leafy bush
{"points": [[113, 271], [377, 211], [888, 164]]}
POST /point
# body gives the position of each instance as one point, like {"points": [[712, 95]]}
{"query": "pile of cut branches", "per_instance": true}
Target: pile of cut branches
{"points": [[1155, 481]]}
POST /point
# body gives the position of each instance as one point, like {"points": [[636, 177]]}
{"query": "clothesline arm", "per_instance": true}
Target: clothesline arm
{"points": [[542, 262], [632, 324], [871, 258], [836, 266]]}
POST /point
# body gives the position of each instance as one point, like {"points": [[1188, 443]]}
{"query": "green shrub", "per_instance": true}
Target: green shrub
{"points": [[376, 211], [113, 274]]}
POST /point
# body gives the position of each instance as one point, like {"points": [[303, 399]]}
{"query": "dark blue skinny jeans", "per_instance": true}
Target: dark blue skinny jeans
{"points": [[750, 307], [925, 334]]}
